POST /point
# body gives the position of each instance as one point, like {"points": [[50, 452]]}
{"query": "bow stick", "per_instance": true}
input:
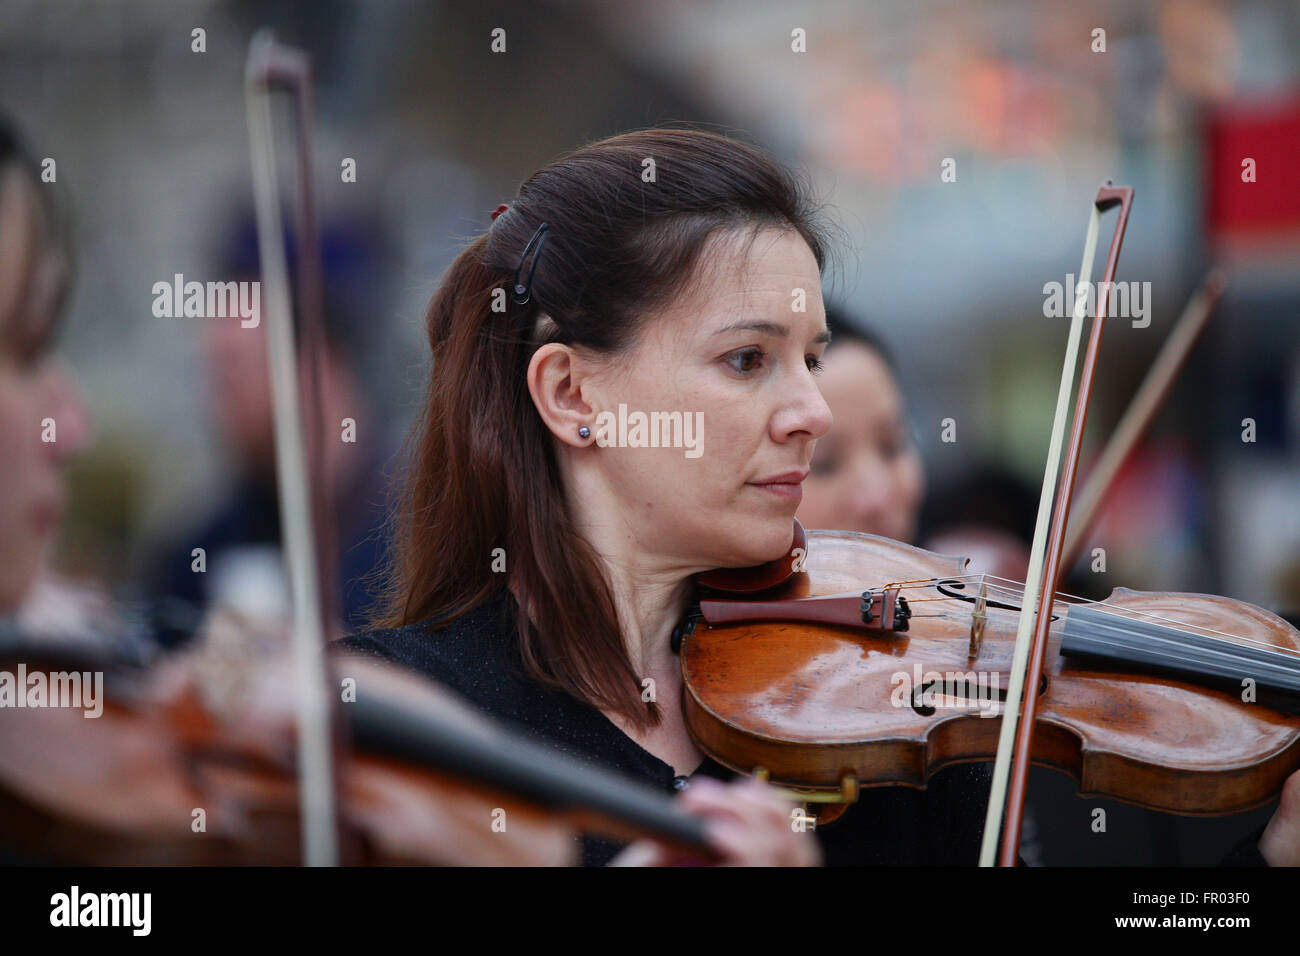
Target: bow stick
{"points": [[1141, 410], [304, 518], [1010, 769]]}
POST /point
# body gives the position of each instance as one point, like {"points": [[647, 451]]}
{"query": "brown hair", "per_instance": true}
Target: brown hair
{"points": [[482, 473], [25, 332]]}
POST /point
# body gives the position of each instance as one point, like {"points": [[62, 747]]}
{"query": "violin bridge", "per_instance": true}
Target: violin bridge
{"points": [[979, 617]]}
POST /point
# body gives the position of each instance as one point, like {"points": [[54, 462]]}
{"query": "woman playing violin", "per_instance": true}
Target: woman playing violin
{"points": [[624, 394]]}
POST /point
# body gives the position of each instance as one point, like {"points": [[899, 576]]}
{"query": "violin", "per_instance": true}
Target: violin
{"points": [[192, 761], [861, 661]]}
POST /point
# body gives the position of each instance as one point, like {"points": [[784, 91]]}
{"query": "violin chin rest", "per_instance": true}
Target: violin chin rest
{"points": [[760, 577]]}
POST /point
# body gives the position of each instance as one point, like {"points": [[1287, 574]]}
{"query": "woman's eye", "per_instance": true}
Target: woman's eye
{"points": [[750, 360], [746, 361], [894, 445]]}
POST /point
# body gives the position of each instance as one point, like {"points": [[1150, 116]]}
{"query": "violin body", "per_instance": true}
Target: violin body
{"points": [[820, 706], [185, 767], [193, 761]]}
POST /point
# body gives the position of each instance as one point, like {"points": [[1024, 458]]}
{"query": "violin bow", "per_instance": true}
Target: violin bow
{"points": [[1011, 767], [1141, 411], [305, 520]]}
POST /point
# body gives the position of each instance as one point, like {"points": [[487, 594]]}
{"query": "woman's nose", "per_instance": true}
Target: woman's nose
{"points": [[808, 413], [70, 413]]}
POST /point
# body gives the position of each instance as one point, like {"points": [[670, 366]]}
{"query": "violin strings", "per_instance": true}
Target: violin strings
{"points": [[1016, 591], [1134, 613], [1103, 608]]}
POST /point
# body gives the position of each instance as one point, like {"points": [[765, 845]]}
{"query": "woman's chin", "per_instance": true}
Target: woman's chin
{"points": [[766, 539]]}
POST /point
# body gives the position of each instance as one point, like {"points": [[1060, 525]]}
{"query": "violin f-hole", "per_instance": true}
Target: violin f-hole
{"points": [[956, 690]]}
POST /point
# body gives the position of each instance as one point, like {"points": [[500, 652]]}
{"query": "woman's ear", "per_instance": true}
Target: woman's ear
{"points": [[557, 378]]}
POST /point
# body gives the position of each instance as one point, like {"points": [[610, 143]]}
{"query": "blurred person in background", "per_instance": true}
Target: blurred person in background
{"points": [[987, 514], [868, 476], [44, 422], [866, 473], [240, 533]]}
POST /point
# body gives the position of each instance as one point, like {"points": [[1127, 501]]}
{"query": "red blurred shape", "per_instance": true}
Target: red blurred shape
{"points": [[1269, 134]]}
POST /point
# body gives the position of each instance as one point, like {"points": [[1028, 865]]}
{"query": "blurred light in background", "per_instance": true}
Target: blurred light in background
{"points": [[153, 156]]}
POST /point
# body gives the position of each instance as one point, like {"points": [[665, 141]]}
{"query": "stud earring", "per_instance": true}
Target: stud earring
{"points": [[584, 432]]}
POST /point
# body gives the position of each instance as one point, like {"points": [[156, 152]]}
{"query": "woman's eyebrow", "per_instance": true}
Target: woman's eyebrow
{"points": [[769, 328]]}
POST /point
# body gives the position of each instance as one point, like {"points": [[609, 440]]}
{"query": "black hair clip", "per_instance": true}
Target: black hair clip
{"points": [[522, 293]]}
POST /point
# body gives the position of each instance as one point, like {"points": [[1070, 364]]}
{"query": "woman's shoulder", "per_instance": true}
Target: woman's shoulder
{"points": [[477, 656], [475, 643]]}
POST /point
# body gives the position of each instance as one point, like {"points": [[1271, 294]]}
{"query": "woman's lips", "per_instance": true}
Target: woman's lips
{"points": [[788, 486]]}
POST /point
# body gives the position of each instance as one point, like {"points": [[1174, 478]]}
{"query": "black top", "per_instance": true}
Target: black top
{"points": [[477, 656]]}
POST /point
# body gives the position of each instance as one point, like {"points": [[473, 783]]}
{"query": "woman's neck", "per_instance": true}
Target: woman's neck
{"points": [[650, 591], [650, 597]]}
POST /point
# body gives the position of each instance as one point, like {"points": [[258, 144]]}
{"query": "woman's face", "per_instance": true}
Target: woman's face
{"points": [[33, 388], [866, 474], [732, 358]]}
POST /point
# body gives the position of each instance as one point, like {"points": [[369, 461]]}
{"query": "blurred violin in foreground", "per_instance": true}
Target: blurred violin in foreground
{"points": [[193, 760]]}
